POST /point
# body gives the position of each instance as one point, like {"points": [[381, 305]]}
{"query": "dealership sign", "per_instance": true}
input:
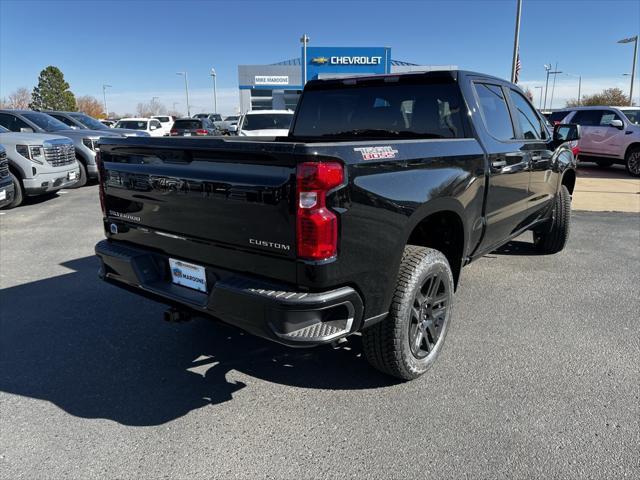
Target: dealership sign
{"points": [[325, 61], [271, 80]]}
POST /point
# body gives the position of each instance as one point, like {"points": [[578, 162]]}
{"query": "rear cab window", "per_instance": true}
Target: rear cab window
{"points": [[382, 108]]}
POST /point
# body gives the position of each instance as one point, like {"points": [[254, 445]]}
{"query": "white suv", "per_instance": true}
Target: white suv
{"points": [[150, 125], [608, 135], [166, 121]]}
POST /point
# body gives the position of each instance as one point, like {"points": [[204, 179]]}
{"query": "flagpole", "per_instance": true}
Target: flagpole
{"points": [[516, 43]]}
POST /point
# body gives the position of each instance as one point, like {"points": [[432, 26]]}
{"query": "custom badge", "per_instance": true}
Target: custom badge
{"points": [[376, 153]]}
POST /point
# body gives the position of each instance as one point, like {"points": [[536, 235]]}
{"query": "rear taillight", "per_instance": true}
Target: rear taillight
{"points": [[575, 149], [202, 132], [101, 180], [173, 132], [316, 225]]}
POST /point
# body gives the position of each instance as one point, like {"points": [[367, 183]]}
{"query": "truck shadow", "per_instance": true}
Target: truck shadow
{"points": [[99, 352], [517, 247]]}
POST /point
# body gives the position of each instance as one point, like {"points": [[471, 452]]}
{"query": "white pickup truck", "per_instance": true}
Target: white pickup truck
{"points": [[609, 135]]}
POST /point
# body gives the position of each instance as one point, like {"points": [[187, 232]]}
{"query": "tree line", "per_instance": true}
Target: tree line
{"points": [[53, 93]]}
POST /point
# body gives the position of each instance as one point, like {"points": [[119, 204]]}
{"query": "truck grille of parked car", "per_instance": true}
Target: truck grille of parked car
{"points": [[4, 165], [59, 155]]}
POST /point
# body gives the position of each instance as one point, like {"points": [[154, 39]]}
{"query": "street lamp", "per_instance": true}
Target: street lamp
{"points": [[104, 98], [579, 77], [553, 88], [540, 101], [633, 68], [215, 94], [186, 89]]}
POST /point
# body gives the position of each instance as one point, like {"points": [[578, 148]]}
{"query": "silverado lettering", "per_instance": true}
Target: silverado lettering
{"points": [[410, 176]]}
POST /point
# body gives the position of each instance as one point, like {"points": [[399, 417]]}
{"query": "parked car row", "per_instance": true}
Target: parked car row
{"points": [[610, 135]]}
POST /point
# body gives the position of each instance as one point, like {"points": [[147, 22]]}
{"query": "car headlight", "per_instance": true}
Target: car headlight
{"points": [[35, 153], [90, 143]]}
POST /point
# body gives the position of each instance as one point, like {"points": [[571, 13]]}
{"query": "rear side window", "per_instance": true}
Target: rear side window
{"points": [[392, 110], [187, 124], [557, 117], [587, 118], [495, 111], [163, 119], [530, 126]]}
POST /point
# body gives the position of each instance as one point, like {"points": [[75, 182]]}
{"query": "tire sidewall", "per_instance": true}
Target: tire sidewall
{"points": [[18, 192], [82, 177], [432, 263], [628, 158]]}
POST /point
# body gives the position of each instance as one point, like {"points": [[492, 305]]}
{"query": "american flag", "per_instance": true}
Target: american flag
{"points": [[518, 65]]}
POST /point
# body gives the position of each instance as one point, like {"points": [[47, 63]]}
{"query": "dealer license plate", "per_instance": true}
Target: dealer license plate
{"points": [[188, 275], [187, 134], [3, 194], [72, 175]]}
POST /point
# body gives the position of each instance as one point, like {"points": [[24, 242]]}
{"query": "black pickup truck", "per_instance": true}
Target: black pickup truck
{"points": [[360, 220]]}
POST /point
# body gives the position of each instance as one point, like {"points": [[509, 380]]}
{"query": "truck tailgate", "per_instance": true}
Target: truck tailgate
{"points": [[211, 201]]}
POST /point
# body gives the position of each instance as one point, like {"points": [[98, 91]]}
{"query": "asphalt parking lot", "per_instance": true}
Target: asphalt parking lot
{"points": [[539, 377]]}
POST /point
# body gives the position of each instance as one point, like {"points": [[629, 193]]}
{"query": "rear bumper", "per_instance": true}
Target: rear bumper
{"points": [[269, 310]]}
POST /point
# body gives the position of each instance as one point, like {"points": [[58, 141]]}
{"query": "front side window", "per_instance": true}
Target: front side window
{"points": [[87, 121], [11, 122], [530, 126], [45, 122], [495, 111]]}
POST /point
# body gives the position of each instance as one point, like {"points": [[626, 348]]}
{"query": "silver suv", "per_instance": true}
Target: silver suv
{"points": [[85, 141], [37, 164], [609, 135]]}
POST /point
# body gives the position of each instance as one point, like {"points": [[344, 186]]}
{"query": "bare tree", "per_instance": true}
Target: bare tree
{"points": [[19, 99], [90, 105], [609, 96], [154, 107]]}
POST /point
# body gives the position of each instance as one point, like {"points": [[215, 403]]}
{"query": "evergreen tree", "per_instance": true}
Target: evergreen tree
{"points": [[52, 92]]}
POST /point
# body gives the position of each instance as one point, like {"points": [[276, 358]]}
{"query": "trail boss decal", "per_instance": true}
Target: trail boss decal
{"points": [[376, 153]]}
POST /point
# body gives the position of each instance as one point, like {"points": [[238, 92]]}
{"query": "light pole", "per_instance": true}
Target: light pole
{"points": [[186, 89], [579, 86], [553, 88], [547, 68], [633, 68], [215, 94], [104, 98], [304, 40], [516, 42], [540, 101]]}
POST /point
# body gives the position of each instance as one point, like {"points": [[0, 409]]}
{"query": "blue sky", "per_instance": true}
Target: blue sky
{"points": [[137, 46]]}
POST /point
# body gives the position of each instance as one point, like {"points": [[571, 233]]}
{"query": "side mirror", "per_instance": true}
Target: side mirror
{"points": [[26, 130], [617, 124], [153, 127], [566, 132]]}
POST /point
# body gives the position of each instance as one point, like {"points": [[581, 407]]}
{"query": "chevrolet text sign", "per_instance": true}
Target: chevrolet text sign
{"points": [[271, 80], [325, 61]]}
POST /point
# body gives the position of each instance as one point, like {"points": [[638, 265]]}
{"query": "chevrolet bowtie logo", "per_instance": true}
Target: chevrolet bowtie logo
{"points": [[320, 60]]}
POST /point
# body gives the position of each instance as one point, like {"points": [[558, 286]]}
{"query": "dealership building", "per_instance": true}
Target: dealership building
{"points": [[279, 85]]}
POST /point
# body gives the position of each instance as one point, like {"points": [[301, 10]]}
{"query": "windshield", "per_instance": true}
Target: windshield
{"points": [[132, 124], [88, 121], [267, 121], [633, 116], [45, 122], [162, 119], [407, 109], [187, 124]]}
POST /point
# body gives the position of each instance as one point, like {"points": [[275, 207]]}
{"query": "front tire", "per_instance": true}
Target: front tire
{"points": [[82, 176], [18, 192], [555, 236], [408, 341], [632, 162]]}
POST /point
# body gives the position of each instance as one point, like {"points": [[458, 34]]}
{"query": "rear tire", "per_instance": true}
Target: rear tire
{"points": [[555, 236], [408, 341], [632, 162], [604, 163], [82, 176], [18, 192]]}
